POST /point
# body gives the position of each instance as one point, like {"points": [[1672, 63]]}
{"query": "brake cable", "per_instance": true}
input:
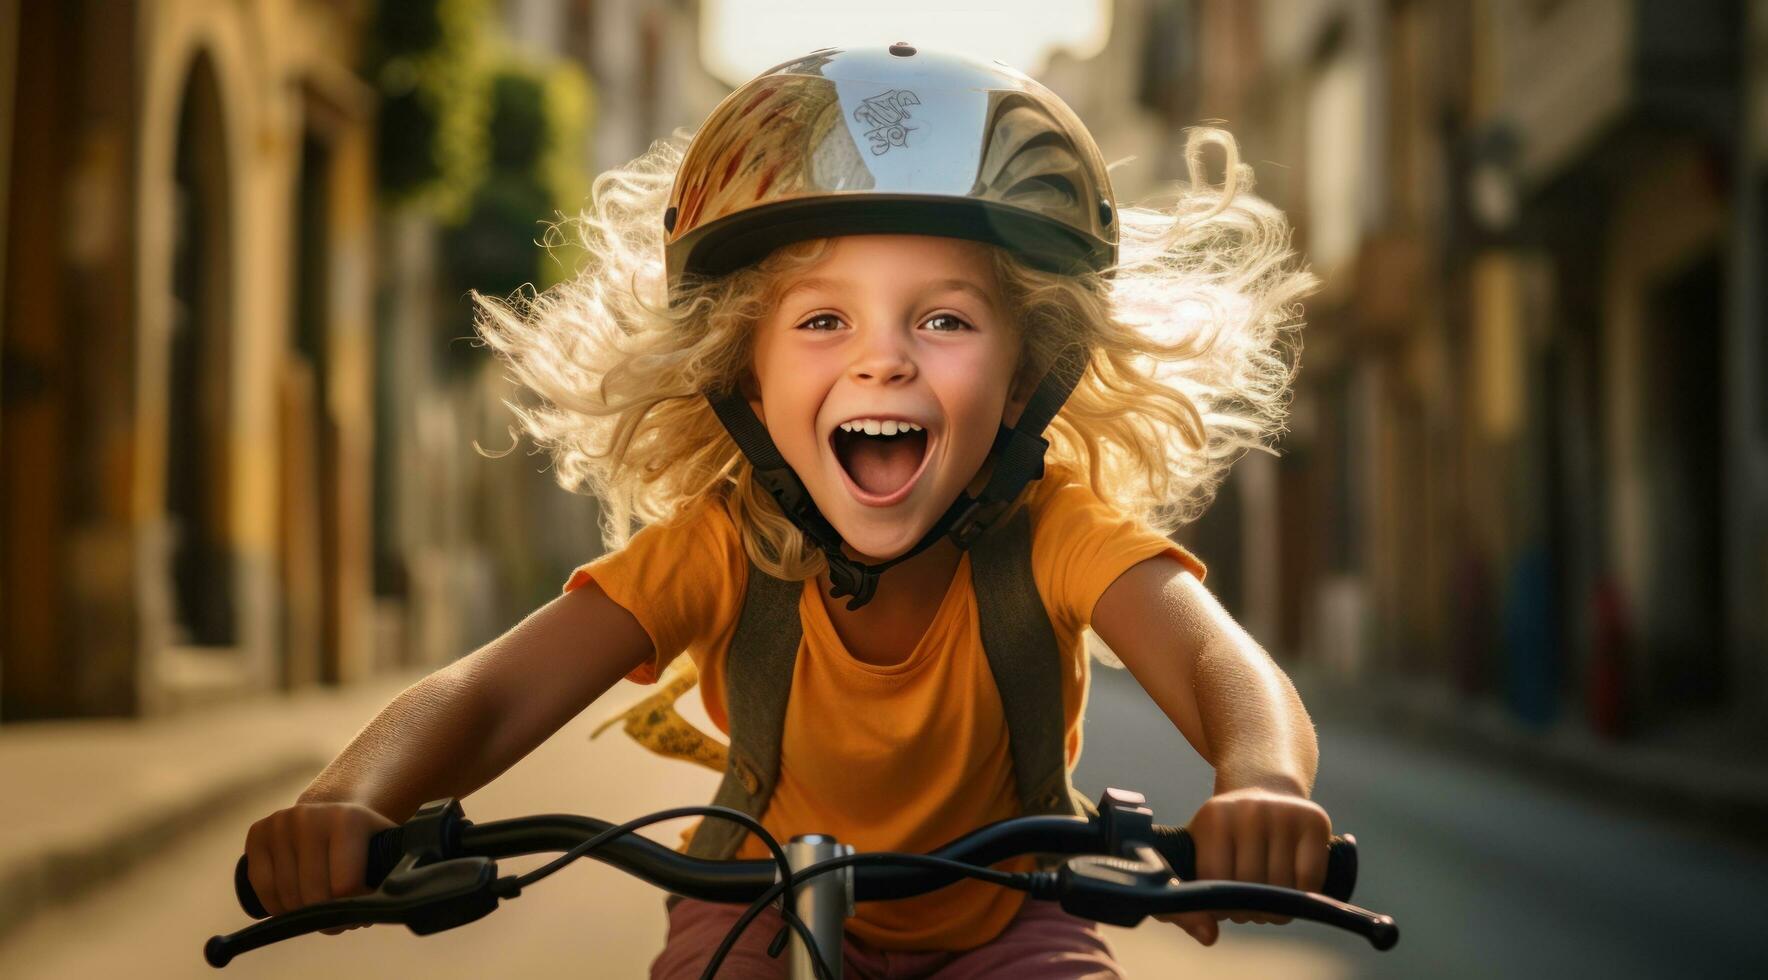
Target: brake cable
{"points": [[781, 889], [1023, 881]]}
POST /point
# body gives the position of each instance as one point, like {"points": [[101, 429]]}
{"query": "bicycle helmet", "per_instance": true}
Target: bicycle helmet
{"points": [[892, 141]]}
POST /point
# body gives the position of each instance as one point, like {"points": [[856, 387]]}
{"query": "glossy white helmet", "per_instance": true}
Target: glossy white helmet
{"points": [[893, 141], [890, 141]]}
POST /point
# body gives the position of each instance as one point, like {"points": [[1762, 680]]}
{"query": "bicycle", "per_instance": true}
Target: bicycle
{"points": [[438, 870]]}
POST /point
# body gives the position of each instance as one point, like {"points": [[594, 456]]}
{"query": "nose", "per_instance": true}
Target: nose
{"points": [[883, 357]]}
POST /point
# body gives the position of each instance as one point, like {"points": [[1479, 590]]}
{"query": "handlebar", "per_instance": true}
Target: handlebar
{"points": [[438, 871], [742, 881]]}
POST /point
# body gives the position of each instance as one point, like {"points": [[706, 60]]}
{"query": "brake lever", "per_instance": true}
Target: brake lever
{"points": [[1113, 890], [1122, 892], [426, 898], [1197, 896]]}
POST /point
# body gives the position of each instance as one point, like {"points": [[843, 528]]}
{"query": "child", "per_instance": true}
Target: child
{"points": [[814, 355]]}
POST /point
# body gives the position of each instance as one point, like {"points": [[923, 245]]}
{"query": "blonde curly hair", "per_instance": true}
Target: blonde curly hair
{"points": [[1191, 340]]}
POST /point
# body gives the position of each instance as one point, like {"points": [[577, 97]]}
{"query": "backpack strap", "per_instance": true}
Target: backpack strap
{"points": [[758, 679], [1022, 655], [1027, 666]]}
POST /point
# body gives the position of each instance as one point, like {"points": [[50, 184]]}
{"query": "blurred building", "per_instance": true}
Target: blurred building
{"points": [[186, 432], [241, 401], [1529, 449]]}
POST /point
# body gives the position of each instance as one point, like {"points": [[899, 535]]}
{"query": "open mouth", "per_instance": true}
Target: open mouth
{"points": [[881, 457]]}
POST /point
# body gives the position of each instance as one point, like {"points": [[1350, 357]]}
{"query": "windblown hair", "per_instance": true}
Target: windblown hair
{"points": [[1191, 347]]}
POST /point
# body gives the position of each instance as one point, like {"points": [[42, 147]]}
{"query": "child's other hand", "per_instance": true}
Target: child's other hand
{"points": [[1255, 835], [310, 853]]}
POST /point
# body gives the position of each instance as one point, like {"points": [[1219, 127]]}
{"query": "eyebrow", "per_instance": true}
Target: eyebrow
{"points": [[938, 286]]}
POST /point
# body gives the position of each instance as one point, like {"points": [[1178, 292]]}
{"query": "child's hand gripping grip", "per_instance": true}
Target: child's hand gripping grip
{"points": [[385, 849], [1175, 844]]}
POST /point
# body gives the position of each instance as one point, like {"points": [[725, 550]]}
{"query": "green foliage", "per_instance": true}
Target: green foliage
{"points": [[564, 167], [538, 128], [404, 28], [493, 249], [489, 140], [495, 246], [404, 144], [534, 130], [518, 126], [429, 60]]}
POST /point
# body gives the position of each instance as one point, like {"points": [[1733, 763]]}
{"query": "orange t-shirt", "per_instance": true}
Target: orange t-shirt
{"points": [[903, 757]]}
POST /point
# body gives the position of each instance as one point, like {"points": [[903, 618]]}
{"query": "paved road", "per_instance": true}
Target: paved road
{"points": [[1489, 875], [586, 921]]}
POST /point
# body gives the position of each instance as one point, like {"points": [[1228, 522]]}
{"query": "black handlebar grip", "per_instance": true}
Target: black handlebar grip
{"points": [[1175, 844], [385, 849], [1341, 867]]}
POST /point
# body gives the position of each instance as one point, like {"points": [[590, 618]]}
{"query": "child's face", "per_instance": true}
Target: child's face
{"points": [[892, 329]]}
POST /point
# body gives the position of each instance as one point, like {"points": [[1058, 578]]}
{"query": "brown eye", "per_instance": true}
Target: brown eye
{"points": [[945, 323], [822, 321]]}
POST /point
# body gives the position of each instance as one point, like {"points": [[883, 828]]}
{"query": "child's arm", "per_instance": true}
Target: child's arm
{"points": [[1240, 712], [447, 735]]}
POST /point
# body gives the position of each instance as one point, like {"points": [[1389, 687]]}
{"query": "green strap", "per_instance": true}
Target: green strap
{"points": [[1027, 666], [1022, 654], [758, 679]]}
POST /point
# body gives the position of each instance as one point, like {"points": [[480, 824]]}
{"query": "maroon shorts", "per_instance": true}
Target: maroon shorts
{"points": [[1042, 942]]}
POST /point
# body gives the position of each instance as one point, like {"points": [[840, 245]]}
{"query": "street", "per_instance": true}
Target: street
{"points": [[335, 334], [1489, 875]]}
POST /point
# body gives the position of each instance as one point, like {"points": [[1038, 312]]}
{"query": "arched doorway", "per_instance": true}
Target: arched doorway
{"points": [[1683, 612], [198, 466]]}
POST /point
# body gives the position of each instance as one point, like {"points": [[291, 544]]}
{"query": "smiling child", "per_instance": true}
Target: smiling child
{"points": [[902, 404]]}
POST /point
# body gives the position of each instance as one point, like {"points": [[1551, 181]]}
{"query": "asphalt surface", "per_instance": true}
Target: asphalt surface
{"points": [[1489, 873]]}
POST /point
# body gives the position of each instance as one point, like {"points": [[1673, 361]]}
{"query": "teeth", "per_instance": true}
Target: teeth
{"points": [[875, 427]]}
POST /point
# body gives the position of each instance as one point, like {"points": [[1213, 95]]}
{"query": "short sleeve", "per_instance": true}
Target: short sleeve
{"points": [[1080, 545], [683, 582]]}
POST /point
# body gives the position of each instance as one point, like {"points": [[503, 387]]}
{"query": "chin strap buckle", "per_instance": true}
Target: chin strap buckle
{"points": [[848, 577]]}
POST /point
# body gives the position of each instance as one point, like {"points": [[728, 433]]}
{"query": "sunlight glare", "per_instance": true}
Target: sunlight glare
{"points": [[739, 39]]}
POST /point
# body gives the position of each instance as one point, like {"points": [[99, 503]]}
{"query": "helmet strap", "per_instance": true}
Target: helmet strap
{"points": [[1019, 459]]}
